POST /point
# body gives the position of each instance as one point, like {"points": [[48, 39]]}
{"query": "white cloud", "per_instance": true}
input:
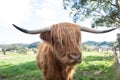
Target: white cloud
{"points": [[51, 12], [110, 36], [46, 13], [34, 15], [14, 11], [52, 3], [45, 8]]}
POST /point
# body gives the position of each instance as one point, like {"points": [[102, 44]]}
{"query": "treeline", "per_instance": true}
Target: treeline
{"points": [[35, 44], [23, 48], [9, 47], [97, 46], [94, 43]]}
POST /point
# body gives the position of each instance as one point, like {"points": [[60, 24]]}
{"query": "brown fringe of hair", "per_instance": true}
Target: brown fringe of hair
{"points": [[66, 34]]}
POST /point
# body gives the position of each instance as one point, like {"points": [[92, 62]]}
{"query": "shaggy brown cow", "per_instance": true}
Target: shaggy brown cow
{"points": [[60, 51]]}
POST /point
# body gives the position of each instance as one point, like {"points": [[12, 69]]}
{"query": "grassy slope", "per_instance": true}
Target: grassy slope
{"points": [[95, 66], [19, 67]]}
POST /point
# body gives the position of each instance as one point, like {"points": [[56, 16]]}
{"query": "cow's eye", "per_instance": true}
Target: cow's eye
{"points": [[63, 43], [53, 41]]}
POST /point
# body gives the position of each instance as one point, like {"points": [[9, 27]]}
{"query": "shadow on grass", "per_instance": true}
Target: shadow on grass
{"points": [[23, 71]]}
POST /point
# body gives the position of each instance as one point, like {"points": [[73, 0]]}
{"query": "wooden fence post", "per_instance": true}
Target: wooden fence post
{"points": [[118, 40]]}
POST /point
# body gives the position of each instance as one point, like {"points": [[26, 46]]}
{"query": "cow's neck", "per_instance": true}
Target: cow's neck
{"points": [[61, 71]]}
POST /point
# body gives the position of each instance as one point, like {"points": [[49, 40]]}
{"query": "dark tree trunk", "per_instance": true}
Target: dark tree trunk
{"points": [[4, 51], [118, 39]]}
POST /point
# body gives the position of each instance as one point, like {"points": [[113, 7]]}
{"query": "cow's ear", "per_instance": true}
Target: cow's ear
{"points": [[46, 36]]}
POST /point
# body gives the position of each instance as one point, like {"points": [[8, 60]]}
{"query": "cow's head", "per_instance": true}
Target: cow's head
{"points": [[65, 39]]}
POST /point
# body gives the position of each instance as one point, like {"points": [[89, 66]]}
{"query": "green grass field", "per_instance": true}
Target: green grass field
{"points": [[95, 66]]}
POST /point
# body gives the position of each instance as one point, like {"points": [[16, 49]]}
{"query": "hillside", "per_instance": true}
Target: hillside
{"points": [[35, 44], [18, 46], [93, 43]]}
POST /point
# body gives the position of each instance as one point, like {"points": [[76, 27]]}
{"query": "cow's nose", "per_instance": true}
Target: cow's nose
{"points": [[74, 56]]}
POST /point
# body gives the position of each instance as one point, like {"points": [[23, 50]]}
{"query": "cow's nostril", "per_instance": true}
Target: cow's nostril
{"points": [[74, 56]]}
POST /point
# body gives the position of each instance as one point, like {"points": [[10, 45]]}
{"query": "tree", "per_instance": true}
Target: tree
{"points": [[33, 45], [102, 12], [87, 48], [4, 49]]}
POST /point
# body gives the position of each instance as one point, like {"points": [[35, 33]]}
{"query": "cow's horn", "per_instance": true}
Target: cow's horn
{"points": [[32, 31], [96, 31]]}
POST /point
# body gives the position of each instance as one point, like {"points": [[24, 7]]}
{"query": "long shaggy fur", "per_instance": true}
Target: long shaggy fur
{"points": [[53, 54], [65, 32], [51, 67]]}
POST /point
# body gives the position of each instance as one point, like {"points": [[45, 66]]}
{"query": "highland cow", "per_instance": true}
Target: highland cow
{"points": [[61, 49]]}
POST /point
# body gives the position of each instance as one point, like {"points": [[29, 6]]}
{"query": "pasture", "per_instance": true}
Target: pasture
{"points": [[94, 66]]}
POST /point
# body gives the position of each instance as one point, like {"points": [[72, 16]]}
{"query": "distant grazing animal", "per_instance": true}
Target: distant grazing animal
{"points": [[61, 50]]}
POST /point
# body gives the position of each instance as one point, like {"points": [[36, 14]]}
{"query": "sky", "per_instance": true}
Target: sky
{"points": [[35, 14]]}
